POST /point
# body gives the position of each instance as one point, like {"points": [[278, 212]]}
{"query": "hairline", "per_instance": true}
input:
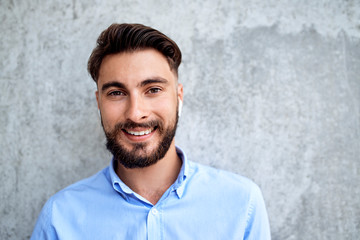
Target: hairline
{"points": [[138, 49]]}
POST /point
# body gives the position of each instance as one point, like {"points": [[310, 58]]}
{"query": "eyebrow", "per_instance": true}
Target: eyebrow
{"points": [[112, 84], [153, 80], [142, 84]]}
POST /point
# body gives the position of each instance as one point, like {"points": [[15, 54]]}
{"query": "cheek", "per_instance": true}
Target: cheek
{"points": [[167, 109], [110, 114]]}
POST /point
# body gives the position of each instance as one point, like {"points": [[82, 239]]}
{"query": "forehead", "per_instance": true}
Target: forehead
{"points": [[131, 68]]}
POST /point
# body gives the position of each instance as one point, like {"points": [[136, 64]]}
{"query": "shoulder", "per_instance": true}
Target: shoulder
{"points": [[219, 175], [92, 182], [239, 197], [77, 195], [70, 203], [223, 181], [82, 190]]}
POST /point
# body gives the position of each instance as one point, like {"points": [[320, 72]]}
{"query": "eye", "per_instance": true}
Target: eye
{"points": [[116, 93], [154, 90]]}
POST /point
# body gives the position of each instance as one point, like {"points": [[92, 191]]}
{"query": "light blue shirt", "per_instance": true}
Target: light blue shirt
{"points": [[203, 203]]}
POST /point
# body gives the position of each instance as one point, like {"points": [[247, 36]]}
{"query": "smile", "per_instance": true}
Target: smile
{"points": [[139, 133]]}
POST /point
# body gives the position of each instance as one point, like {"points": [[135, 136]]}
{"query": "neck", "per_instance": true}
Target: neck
{"points": [[151, 182]]}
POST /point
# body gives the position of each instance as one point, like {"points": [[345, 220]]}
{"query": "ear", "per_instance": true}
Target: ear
{"points": [[97, 98], [180, 92]]}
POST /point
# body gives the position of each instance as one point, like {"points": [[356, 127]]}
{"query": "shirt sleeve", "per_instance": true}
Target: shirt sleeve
{"points": [[44, 229], [257, 227]]}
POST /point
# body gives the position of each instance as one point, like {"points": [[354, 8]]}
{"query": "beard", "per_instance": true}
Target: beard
{"points": [[132, 158]]}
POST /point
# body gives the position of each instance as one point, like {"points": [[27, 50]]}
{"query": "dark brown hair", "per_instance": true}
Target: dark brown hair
{"points": [[131, 37]]}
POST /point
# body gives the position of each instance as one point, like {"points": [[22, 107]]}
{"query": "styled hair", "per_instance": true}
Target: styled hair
{"points": [[125, 37]]}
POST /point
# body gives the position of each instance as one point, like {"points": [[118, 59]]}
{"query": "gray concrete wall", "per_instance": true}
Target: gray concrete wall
{"points": [[272, 92]]}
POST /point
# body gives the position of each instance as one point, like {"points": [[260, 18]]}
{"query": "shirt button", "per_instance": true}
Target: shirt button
{"points": [[154, 211]]}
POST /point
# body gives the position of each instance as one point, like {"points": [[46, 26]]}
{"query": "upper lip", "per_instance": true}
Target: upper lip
{"points": [[139, 132]]}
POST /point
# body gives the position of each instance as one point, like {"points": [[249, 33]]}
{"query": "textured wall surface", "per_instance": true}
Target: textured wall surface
{"points": [[272, 92]]}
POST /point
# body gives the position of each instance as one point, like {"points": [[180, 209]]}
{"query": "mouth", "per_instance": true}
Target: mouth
{"points": [[139, 133]]}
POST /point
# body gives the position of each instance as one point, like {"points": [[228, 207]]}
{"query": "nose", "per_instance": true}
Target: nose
{"points": [[136, 109]]}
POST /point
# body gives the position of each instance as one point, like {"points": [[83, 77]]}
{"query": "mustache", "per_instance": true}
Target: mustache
{"points": [[130, 124]]}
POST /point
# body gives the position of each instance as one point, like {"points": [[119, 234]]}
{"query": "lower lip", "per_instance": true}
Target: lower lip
{"points": [[141, 138]]}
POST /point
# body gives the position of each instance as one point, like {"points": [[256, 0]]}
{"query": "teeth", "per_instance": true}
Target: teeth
{"points": [[141, 133]]}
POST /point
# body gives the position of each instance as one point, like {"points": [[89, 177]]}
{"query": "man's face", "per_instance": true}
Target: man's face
{"points": [[138, 98]]}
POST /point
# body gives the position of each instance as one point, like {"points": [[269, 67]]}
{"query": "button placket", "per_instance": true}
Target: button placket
{"points": [[154, 224], [154, 211]]}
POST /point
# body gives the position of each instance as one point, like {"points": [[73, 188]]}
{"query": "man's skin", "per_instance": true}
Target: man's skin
{"points": [[140, 86]]}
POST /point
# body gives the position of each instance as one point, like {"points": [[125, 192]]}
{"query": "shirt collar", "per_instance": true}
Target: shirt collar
{"points": [[178, 185], [117, 184]]}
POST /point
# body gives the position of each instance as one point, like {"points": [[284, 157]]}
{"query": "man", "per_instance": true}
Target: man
{"points": [[150, 190]]}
